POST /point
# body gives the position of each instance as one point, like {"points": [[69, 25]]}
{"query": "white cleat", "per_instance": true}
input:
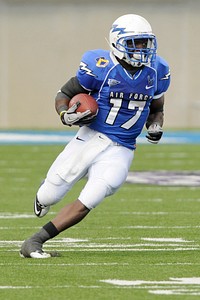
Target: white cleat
{"points": [[39, 209], [36, 254]]}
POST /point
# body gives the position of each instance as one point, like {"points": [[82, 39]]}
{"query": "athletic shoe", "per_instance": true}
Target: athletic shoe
{"points": [[33, 249], [39, 209]]}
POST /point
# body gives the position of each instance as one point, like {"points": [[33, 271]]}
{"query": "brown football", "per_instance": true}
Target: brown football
{"points": [[86, 102]]}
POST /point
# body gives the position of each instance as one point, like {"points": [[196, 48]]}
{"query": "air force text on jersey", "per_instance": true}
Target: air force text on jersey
{"points": [[131, 96]]}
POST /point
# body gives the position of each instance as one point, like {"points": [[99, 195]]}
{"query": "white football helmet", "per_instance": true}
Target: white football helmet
{"points": [[131, 39]]}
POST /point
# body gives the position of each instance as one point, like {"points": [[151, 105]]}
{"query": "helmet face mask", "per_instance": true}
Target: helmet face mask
{"points": [[132, 40]]}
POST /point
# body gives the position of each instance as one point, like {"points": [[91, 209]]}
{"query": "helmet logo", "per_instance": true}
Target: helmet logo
{"points": [[115, 28]]}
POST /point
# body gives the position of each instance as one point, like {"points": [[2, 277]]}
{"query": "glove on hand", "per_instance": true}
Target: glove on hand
{"points": [[70, 116], [155, 133]]}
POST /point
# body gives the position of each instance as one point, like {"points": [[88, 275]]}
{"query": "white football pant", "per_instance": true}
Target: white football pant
{"points": [[90, 153]]}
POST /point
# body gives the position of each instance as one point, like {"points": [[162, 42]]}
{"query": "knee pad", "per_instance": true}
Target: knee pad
{"points": [[50, 193], [94, 192]]}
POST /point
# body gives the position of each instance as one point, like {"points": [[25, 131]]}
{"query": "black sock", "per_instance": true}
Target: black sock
{"points": [[51, 229]]}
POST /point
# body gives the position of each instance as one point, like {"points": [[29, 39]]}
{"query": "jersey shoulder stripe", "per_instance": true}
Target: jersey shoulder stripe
{"points": [[163, 75]]}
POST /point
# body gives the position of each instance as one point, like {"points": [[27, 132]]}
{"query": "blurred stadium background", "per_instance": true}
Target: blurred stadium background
{"points": [[41, 44]]}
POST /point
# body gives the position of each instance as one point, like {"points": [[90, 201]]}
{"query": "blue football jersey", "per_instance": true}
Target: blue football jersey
{"points": [[123, 99]]}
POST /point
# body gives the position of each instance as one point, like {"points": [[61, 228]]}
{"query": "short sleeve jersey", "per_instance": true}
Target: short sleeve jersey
{"points": [[123, 99]]}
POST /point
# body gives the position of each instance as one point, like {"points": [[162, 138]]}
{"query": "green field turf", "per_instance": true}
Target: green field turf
{"points": [[142, 243]]}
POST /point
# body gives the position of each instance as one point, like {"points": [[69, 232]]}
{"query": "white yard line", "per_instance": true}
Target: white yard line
{"points": [[177, 240], [49, 287], [67, 264], [173, 286], [163, 244]]}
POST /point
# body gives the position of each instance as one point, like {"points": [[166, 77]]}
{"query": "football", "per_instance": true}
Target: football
{"points": [[86, 102]]}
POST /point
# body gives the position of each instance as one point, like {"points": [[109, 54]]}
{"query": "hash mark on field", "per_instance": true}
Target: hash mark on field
{"points": [[173, 286]]}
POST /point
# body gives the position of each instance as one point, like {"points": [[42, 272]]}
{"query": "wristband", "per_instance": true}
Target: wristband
{"points": [[62, 113], [62, 116]]}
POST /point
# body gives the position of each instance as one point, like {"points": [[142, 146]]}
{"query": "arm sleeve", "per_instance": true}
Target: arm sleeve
{"points": [[72, 87]]}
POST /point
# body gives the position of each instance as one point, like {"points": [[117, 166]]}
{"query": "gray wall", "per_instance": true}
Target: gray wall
{"points": [[41, 43]]}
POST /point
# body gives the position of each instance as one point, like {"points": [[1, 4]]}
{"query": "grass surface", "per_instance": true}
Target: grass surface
{"points": [[138, 244]]}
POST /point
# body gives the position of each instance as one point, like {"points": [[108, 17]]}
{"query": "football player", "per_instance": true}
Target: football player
{"points": [[129, 83]]}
